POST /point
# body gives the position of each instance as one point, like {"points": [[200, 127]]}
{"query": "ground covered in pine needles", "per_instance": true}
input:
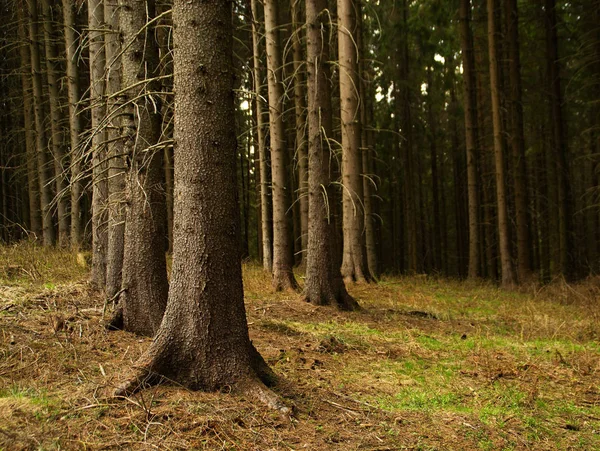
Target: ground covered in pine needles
{"points": [[428, 364]]}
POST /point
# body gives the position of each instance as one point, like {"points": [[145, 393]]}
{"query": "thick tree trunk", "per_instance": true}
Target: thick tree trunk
{"points": [[203, 340], [265, 204], [508, 277], [35, 219], [43, 166], [517, 141], [283, 276], [145, 287], [324, 283], [114, 151], [471, 137], [353, 260], [56, 138], [75, 125], [99, 166]]}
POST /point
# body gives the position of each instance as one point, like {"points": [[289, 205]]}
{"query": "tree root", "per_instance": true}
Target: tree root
{"points": [[141, 380], [258, 391]]}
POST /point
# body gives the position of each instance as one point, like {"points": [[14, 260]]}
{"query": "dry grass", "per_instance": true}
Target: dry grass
{"points": [[428, 364]]}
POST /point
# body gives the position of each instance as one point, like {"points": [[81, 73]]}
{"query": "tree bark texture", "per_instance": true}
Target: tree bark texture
{"points": [[56, 137], [75, 124], [114, 151], [99, 166], [300, 116], [203, 340], [471, 137], [43, 160], [35, 219], [283, 261], [265, 202], [145, 287], [353, 259], [324, 282], [508, 277]]}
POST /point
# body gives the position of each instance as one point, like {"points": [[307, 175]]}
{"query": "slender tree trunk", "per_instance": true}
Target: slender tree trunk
{"points": [[114, 151], [99, 166], [145, 287], [471, 137], [300, 116], [435, 176], [75, 125], [265, 204], [35, 219], [559, 140], [324, 283], [203, 340], [44, 169], [353, 260], [283, 276], [517, 141], [56, 138], [366, 137], [508, 277]]}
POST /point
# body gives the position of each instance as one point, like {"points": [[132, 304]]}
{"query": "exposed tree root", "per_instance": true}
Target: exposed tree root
{"points": [[255, 389]]}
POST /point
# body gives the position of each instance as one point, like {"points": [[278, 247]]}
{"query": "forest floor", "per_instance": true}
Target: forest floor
{"points": [[427, 364]]}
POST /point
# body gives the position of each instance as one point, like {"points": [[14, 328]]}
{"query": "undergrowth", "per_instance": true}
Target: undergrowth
{"points": [[428, 363]]}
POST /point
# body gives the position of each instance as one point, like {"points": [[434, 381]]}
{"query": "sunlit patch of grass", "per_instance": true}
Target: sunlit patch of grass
{"points": [[29, 263]]}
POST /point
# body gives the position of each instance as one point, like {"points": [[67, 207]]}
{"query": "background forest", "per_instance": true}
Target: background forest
{"points": [[461, 168], [176, 176]]}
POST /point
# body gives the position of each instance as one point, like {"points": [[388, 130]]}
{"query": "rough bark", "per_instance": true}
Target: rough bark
{"points": [[35, 219], [203, 340], [353, 259], [56, 136], [145, 287], [517, 141], [265, 204], [75, 125], [508, 277], [114, 151], [283, 261], [43, 166], [324, 282], [99, 167], [471, 137]]}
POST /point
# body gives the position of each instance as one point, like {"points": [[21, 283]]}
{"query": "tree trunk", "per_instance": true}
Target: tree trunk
{"points": [[353, 260], [366, 137], [265, 204], [44, 170], [75, 125], [99, 166], [283, 276], [56, 138], [145, 287], [471, 137], [203, 340], [324, 283], [517, 141], [300, 116], [114, 152], [35, 219], [508, 278], [559, 140]]}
